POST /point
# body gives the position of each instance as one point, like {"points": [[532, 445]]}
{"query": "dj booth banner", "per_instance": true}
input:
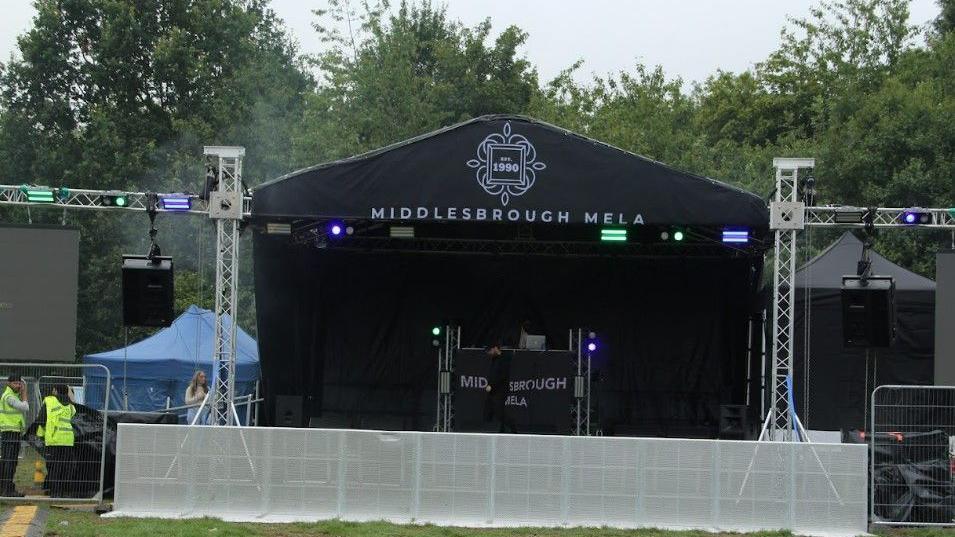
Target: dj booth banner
{"points": [[539, 396]]}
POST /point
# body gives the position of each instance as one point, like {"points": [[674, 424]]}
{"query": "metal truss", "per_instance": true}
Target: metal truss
{"points": [[518, 247], [580, 410], [786, 213], [883, 217], [228, 205], [445, 410], [788, 216], [91, 199], [226, 208]]}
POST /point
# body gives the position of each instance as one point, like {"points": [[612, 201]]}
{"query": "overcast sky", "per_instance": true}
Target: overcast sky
{"points": [[690, 39]]}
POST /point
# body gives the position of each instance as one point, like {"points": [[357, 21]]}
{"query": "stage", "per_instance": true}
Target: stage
{"points": [[485, 225]]}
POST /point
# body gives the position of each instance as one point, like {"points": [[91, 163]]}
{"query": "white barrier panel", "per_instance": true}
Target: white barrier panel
{"points": [[276, 474]]}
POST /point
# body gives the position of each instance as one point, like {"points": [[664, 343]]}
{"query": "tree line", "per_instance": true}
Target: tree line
{"points": [[123, 94]]}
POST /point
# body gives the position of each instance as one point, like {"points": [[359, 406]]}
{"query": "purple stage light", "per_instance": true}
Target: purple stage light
{"points": [[910, 218], [591, 346]]}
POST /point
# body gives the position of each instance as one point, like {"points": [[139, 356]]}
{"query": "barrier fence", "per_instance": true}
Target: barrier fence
{"points": [[42, 460], [912, 437], [279, 474]]}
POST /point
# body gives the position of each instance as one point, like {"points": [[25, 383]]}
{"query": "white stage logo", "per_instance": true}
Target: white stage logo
{"points": [[506, 164]]}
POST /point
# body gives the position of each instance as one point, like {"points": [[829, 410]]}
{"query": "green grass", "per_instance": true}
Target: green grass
{"points": [[86, 524]]}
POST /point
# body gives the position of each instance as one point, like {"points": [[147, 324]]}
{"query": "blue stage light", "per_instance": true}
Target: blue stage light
{"points": [[592, 346], [739, 236], [916, 216], [335, 229]]}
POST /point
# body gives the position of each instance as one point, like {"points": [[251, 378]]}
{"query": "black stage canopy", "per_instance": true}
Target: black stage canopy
{"points": [[507, 168], [841, 379], [345, 322]]}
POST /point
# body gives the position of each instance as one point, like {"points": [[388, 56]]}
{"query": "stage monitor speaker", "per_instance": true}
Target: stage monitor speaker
{"points": [[288, 411], [734, 422], [868, 311], [148, 291]]}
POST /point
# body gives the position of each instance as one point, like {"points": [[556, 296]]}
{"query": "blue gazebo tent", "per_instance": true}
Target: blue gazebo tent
{"points": [[161, 366]]}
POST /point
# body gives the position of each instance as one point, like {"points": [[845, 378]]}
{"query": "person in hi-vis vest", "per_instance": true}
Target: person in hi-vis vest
{"points": [[54, 424], [13, 407]]}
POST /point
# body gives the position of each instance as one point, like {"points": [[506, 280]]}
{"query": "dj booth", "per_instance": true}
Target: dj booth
{"points": [[548, 390]]}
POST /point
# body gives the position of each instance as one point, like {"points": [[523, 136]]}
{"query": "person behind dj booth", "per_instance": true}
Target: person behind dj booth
{"points": [[498, 378]]}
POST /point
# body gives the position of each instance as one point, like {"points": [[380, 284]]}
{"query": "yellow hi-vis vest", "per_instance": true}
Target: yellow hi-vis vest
{"points": [[59, 423], [11, 419]]}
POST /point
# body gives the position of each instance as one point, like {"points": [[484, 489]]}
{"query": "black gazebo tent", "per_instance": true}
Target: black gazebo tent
{"points": [[507, 213], [839, 381]]}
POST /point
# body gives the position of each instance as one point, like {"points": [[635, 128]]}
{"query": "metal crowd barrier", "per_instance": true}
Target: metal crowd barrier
{"points": [[913, 441], [279, 474], [31, 469]]}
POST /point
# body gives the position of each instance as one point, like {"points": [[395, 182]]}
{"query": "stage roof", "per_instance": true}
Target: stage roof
{"points": [[503, 168]]}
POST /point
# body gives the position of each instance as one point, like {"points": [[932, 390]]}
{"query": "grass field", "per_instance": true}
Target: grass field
{"points": [[70, 523]]}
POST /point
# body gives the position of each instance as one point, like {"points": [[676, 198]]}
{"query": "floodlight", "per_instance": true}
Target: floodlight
{"points": [[176, 202], [849, 215], [739, 236], [37, 194], [613, 235], [401, 232]]}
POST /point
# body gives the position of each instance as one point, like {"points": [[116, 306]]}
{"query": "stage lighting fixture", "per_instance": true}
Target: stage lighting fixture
{"points": [[335, 229], [613, 235], [592, 346], [739, 236], [664, 235], [37, 194], [849, 215], [678, 235], [176, 202], [113, 199], [436, 331], [916, 216], [278, 228], [401, 232]]}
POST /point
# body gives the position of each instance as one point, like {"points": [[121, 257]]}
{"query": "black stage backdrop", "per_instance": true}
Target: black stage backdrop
{"points": [[350, 330], [539, 395]]}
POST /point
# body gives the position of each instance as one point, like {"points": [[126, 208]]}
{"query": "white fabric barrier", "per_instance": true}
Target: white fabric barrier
{"points": [[278, 474]]}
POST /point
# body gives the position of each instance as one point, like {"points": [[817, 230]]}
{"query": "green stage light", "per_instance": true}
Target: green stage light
{"points": [[436, 331], [678, 235], [37, 194], [114, 199], [613, 235]]}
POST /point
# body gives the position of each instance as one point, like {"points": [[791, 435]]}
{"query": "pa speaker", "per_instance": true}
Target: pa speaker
{"points": [[868, 311], [734, 422], [288, 411], [148, 293]]}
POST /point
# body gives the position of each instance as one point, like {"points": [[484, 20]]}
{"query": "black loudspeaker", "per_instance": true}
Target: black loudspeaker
{"points": [[288, 411], [868, 311], [734, 422], [148, 292]]}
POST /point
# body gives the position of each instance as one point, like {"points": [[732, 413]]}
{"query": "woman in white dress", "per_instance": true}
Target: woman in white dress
{"points": [[195, 393]]}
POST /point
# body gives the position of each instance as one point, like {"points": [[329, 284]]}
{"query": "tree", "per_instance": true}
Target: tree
{"points": [[401, 74], [123, 94]]}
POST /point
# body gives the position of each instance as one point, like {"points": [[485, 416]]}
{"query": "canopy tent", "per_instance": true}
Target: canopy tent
{"points": [[344, 321], [841, 379], [161, 366]]}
